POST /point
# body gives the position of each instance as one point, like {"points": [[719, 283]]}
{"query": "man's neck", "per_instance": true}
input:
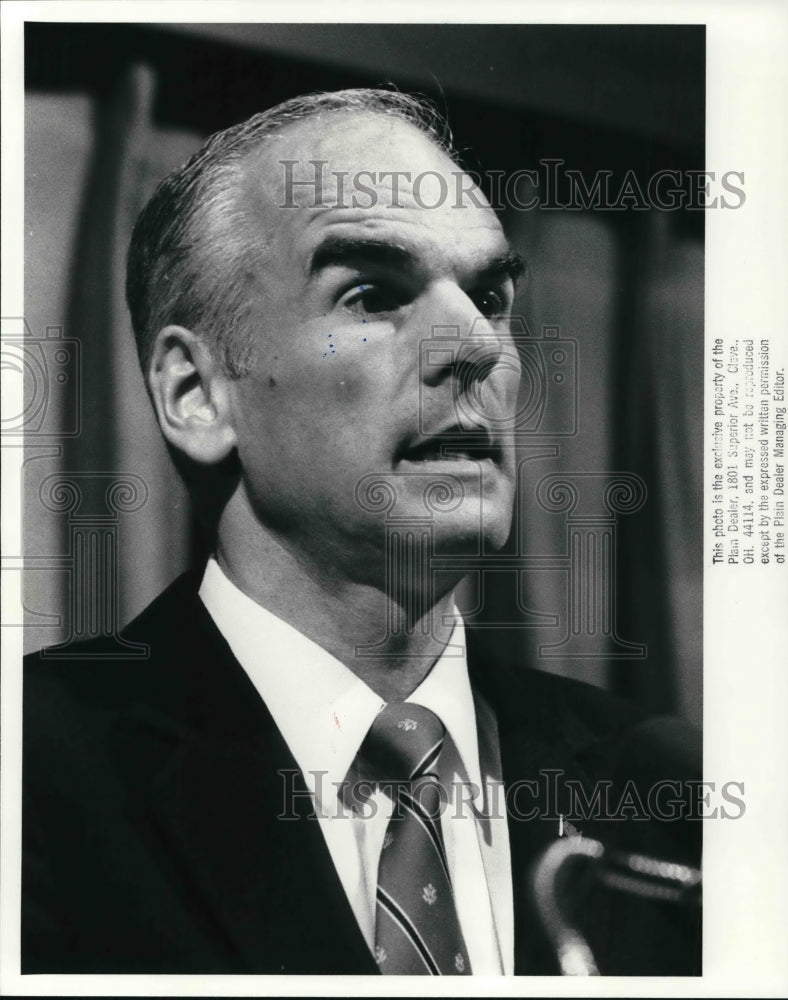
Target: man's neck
{"points": [[342, 616]]}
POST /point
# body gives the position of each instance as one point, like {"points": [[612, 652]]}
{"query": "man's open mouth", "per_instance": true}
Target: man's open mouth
{"points": [[454, 444]]}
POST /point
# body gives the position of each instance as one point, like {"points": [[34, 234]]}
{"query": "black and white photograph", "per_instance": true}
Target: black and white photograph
{"points": [[393, 533]]}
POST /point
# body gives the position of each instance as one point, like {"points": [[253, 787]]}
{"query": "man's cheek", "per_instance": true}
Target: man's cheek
{"points": [[359, 380]]}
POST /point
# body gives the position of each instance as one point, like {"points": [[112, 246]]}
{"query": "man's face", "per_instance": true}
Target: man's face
{"points": [[344, 301]]}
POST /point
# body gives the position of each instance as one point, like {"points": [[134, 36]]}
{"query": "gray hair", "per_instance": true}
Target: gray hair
{"points": [[174, 274]]}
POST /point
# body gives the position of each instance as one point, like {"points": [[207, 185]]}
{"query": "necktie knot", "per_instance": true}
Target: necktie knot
{"points": [[403, 743]]}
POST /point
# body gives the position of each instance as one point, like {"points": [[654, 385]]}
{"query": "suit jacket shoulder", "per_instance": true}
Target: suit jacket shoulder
{"points": [[166, 828]]}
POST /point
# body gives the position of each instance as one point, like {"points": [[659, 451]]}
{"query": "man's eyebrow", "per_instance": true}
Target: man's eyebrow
{"points": [[343, 249], [337, 250], [510, 263]]}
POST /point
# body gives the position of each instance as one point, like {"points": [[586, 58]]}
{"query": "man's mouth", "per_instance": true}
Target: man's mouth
{"points": [[455, 444]]}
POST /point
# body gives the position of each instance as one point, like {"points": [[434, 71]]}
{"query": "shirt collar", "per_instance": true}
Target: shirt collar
{"points": [[446, 690], [322, 709]]}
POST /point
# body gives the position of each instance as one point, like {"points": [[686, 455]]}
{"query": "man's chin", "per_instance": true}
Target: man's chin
{"points": [[479, 524], [446, 485], [452, 508], [471, 533]]}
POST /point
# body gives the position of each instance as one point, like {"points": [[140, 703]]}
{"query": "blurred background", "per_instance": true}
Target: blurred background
{"points": [[111, 108]]}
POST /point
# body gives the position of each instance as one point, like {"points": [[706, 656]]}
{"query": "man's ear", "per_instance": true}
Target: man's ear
{"points": [[190, 396]]}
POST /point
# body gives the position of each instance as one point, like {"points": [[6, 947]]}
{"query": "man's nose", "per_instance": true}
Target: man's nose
{"points": [[461, 342]]}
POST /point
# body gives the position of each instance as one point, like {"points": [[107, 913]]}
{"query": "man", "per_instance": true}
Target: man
{"points": [[230, 804]]}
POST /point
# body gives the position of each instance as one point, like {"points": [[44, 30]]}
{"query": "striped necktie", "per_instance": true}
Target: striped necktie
{"points": [[417, 931]]}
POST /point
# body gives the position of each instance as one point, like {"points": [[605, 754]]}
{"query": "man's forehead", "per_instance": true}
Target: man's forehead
{"points": [[349, 142], [364, 170]]}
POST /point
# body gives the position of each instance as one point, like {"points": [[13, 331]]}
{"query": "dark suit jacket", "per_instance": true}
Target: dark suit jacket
{"points": [[152, 791]]}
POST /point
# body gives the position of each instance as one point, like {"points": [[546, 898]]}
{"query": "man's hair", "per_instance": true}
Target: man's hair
{"points": [[193, 255]]}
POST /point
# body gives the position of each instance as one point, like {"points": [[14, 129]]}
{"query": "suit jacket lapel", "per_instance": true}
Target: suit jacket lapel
{"points": [[268, 881], [530, 757], [214, 797]]}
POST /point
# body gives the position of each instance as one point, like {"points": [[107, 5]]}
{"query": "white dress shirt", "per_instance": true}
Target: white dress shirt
{"points": [[324, 711]]}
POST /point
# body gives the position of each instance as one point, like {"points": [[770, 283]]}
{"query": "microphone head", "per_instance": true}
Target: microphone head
{"points": [[656, 784]]}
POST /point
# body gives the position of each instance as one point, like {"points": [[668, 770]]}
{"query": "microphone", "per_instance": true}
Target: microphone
{"points": [[636, 882]]}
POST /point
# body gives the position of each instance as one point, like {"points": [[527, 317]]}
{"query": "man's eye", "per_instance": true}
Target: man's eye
{"points": [[367, 300], [490, 304]]}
